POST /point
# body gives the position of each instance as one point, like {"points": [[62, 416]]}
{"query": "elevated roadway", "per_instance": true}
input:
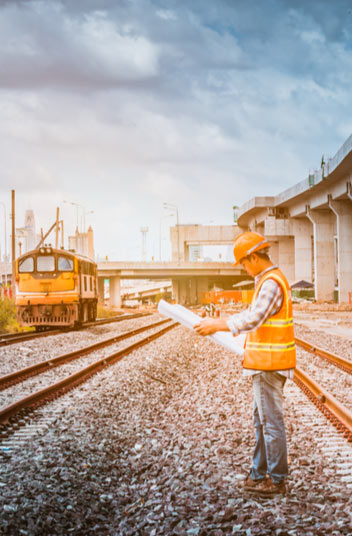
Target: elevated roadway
{"points": [[188, 278]]}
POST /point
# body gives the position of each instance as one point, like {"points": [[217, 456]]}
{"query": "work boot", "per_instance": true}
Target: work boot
{"points": [[268, 488], [251, 485]]}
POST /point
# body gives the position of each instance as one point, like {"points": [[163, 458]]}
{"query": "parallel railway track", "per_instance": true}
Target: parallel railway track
{"points": [[14, 338], [52, 391], [339, 362], [339, 415]]}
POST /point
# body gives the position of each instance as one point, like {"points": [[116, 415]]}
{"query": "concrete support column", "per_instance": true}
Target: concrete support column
{"points": [[303, 231], [115, 292], [274, 251], [343, 212], [324, 268], [186, 290], [101, 290], [286, 257], [176, 289]]}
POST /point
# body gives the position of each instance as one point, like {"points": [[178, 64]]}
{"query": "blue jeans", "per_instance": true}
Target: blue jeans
{"points": [[270, 453]]}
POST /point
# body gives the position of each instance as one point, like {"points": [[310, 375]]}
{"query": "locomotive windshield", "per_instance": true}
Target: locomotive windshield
{"points": [[45, 263], [26, 265], [64, 264]]}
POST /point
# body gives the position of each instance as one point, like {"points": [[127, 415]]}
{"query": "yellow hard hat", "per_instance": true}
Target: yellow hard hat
{"points": [[248, 243]]}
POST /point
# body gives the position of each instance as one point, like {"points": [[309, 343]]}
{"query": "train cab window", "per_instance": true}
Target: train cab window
{"points": [[85, 282], [91, 283], [64, 264], [26, 265], [45, 263]]}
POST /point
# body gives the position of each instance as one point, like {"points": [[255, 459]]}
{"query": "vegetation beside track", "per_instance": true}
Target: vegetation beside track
{"points": [[8, 320], [105, 312]]}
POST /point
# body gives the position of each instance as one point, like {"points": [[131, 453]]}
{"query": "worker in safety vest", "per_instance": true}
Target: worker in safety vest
{"points": [[269, 358]]}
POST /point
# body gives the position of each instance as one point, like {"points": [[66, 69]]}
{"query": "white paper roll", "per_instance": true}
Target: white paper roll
{"points": [[189, 319]]}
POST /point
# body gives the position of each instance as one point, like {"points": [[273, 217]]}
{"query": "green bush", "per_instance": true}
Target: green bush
{"points": [[8, 321], [104, 312]]}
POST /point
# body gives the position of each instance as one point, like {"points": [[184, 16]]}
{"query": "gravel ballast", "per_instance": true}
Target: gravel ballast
{"points": [[159, 444]]}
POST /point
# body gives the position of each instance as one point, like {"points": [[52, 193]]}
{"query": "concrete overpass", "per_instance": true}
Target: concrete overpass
{"points": [[310, 226], [188, 279], [146, 292], [183, 237]]}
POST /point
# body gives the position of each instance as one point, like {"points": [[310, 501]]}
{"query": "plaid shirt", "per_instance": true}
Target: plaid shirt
{"points": [[268, 303]]}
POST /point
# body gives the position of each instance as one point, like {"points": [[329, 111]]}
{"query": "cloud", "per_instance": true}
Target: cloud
{"points": [[42, 46], [120, 106]]}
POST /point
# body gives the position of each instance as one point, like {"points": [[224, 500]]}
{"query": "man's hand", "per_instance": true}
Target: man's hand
{"points": [[210, 326]]}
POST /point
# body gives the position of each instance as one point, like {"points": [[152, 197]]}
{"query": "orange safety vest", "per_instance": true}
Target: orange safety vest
{"points": [[272, 345]]}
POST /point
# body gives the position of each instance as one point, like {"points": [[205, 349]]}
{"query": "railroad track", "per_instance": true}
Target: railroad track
{"points": [[337, 413], [340, 416], [339, 362], [14, 338], [334, 411], [56, 389]]}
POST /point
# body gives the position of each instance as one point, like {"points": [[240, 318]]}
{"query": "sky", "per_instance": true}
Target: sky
{"points": [[122, 105]]}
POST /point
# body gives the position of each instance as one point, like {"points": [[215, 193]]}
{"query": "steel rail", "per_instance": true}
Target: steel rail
{"points": [[57, 389], [13, 338], [339, 362], [339, 415], [38, 368]]}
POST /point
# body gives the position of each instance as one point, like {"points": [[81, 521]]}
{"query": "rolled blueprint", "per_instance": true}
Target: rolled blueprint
{"points": [[188, 319]]}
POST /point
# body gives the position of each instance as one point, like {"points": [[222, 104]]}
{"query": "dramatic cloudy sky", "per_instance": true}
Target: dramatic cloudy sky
{"points": [[121, 105]]}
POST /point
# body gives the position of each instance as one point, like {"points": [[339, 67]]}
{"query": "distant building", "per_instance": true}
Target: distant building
{"points": [[82, 243], [26, 237]]}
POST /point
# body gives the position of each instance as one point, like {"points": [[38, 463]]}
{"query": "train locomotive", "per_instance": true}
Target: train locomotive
{"points": [[55, 288]]}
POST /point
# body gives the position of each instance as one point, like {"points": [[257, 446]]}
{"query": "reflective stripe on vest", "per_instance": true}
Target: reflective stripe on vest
{"points": [[272, 345]]}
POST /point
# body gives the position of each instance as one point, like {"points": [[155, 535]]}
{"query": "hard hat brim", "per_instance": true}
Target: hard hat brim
{"points": [[258, 247]]}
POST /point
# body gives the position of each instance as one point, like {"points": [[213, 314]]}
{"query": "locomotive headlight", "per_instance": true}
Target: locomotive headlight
{"points": [[42, 250], [49, 250]]}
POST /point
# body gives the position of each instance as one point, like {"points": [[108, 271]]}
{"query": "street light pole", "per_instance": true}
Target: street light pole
{"points": [[169, 205], [160, 234], [13, 216], [5, 217], [77, 211]]}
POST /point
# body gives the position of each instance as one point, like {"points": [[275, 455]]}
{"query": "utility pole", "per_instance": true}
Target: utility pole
{"points": [[57, 228], [175, 208], [13, 218], [144, 231]]}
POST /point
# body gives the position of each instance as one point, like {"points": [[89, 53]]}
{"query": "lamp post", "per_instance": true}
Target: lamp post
{"points": [[80, 221], [5, 232], [160, 234], [175, 208], [5, 250], [77, 211]]}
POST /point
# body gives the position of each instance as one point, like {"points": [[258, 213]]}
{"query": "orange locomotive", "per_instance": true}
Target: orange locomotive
{"points": [[55, 287]]}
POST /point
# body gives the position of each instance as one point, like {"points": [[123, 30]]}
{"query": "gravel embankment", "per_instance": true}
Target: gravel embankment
{"points": [[158, 444], [335, 381], [24, 354], [335, 344], [54, 375]]}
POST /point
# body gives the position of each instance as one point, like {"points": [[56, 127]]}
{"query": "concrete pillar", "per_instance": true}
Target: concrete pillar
{"points": [[101, 290], [303, 231], [115, 294], [174, 283], [343, 212], [324, 268], [274, 251], [286, 257]]}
